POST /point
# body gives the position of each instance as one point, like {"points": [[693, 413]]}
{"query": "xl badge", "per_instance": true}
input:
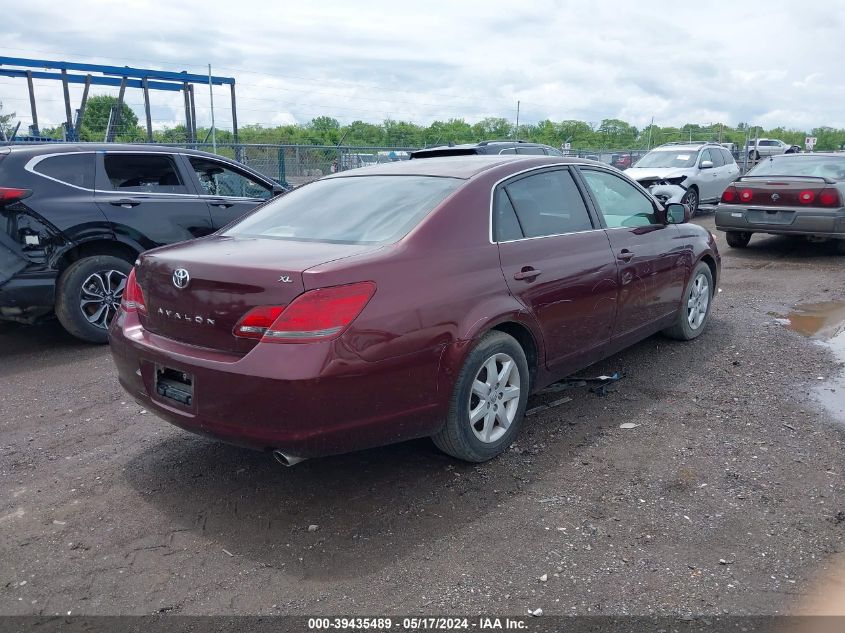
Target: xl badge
{"points": [[181, 278], [285, 279]]}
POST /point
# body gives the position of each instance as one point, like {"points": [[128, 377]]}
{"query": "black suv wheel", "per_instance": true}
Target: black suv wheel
{"points": [[88, 295]]}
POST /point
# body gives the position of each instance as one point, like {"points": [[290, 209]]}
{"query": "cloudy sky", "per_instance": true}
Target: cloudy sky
{"points": [[765, 62]]}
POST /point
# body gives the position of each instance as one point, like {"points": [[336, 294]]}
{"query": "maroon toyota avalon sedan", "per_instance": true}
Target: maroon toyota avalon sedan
{"points": [[421, 298]]}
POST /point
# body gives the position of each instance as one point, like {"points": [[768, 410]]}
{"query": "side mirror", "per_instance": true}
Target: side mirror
{"points": [[677, 213], [706, 164]]}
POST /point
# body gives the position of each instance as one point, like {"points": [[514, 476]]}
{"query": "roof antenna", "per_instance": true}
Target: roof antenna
{"points": [[517, 121]]}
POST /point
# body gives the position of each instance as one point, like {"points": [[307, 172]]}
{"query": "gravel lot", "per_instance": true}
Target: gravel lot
{"points": [[728, 498]]}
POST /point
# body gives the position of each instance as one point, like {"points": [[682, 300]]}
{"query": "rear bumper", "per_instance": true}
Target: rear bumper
{"points": [[784, 221], [28, 296], [307, 400]]}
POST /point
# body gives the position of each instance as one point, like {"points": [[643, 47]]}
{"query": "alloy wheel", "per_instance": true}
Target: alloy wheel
{"points": [[698, 301], [494, 398], [100, 296]]}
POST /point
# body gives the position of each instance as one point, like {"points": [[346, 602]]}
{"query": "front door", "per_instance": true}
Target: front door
{"points": [[651, 256], [558, 263]]}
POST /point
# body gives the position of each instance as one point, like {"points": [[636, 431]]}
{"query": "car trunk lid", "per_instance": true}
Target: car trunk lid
{"points": [[226, 277]]}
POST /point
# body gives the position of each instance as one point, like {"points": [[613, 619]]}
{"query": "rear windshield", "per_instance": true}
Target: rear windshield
{"points": [[802, 165], [665, 158], [352, 210]]}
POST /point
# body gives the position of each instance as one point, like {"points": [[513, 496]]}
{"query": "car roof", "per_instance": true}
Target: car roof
{"points": [[35, 149], [684, 148], [464, 167]]}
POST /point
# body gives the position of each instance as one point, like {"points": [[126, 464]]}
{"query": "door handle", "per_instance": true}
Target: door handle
{"points": [[125, 202], [527, 274], [223, 204], [625, 255]]}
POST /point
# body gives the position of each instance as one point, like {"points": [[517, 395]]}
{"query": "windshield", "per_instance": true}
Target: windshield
{"points": [[802, 165], [668, 158], [354, 210]]}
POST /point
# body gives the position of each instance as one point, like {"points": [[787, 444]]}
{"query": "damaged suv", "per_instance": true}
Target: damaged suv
{"points": [[73, 219], [691, 173]]}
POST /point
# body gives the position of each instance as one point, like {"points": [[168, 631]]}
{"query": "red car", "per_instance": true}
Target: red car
{"points": [[411, 299]]}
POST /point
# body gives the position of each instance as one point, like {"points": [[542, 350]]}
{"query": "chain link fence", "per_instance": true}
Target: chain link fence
{"points": [[298, 164]]}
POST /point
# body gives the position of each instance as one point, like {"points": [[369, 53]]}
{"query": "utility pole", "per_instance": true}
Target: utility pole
{"points": [[517, 120], [650, 127], [211, 97]]}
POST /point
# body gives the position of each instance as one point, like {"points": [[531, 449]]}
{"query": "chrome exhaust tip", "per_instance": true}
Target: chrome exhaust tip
{"points": [[286, 460]]}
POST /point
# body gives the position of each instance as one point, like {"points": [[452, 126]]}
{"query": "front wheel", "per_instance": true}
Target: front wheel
{"points": [[88, 295], [488, 401], [695, 307], [691, 200], [738, 239]]}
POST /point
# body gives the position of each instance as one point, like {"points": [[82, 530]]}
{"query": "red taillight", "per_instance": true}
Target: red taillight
{"points": [[746, 195], [316, 315], [830, 198], [257, 321], [729, 195], [807, 196], [13, 194], [133, 297]]}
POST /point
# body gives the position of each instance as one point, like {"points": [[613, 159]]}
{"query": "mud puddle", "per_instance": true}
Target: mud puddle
{"points": [[825, 323]]}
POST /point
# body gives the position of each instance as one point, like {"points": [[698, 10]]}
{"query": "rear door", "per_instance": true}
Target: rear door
{"points": [[558, 263], [228, 191], [651, 256], [146, 198]]}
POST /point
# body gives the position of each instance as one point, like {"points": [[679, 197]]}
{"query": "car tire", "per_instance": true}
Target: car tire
{"points": [[738, 239], [697, 301], [840, 246], [88, 295], [691, 199], [486, 412], [753, 155]]}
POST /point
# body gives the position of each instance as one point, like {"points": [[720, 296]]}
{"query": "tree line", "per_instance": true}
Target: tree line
{"points": [[608, 134]]}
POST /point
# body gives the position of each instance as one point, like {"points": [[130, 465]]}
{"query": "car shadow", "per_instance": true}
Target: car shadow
{"points": [[785, 246], [45, 343], [370, 508]]}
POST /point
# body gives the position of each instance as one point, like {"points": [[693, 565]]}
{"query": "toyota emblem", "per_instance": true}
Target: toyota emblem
{"points": [[181, 278]]}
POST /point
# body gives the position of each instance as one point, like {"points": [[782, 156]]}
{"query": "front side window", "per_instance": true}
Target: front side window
{"points": [[350, 210], [72, 169], [620, 202], [548, 203], [147, 173], [217, 179]]}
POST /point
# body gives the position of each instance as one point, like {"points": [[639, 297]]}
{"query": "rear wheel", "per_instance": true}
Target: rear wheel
{"points": [[691, 199], [488, 401], [840, 246], [695, 307], [753, 155], [738, 239], [88, 295]]}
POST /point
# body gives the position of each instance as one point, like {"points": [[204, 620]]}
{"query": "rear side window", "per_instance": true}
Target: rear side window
{"points": [[549, 203], [149, 173], [531, 150], [71, 169], [505, 225]]}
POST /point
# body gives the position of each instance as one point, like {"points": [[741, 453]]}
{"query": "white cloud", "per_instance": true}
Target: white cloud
{"points": [[764, 62]]}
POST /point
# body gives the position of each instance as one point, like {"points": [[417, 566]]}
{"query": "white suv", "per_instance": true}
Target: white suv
{"points": [[686, 172], [761, 147]]}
